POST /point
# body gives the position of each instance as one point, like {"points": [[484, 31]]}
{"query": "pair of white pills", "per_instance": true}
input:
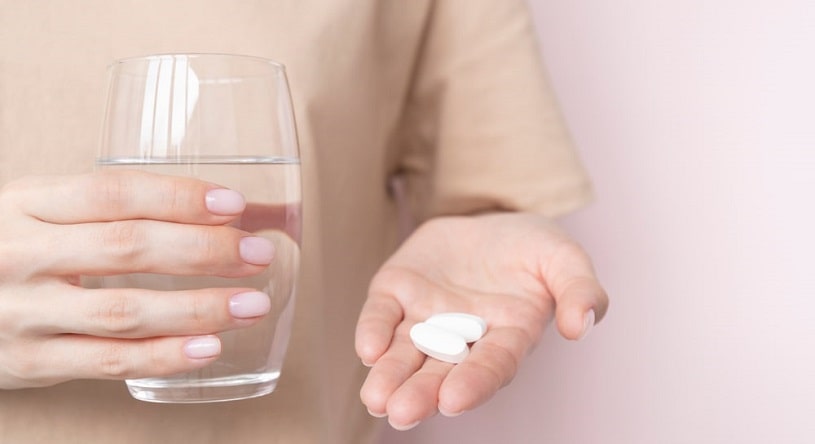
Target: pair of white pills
{"points": [[444, 336]]}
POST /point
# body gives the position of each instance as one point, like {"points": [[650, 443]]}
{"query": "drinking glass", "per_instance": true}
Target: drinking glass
{"points": [[228, 120]]}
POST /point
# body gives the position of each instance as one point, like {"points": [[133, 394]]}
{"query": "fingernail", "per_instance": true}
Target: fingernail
{"points": [[377, 415], [224, 202], [405, 428], [249, 305], [201, 348], [257, 250], [449, 414], [588, 323]]}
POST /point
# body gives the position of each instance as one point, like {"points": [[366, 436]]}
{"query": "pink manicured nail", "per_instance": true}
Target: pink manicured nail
{"points": [[225, 202], [201, 348], [257, 250], [249, 305], [588, 323]]}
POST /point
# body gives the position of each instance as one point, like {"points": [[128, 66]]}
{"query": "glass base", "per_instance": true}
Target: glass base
{"points": [[191, 391]]}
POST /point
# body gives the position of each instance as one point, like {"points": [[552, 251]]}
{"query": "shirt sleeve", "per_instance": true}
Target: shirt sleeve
{"points": [[481, 130]]}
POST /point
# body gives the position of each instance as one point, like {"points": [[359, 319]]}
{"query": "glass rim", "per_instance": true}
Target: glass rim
{"points": [[147, 57]]}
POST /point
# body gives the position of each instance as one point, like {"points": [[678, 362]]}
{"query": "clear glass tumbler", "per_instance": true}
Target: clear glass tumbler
{"points": [[225, 119]]}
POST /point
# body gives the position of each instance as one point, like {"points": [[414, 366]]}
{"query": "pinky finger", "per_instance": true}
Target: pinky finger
{"points": [[68, 357]]}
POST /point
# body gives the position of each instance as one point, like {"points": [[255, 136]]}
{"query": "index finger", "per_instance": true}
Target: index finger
{"points": [[122, 195]]}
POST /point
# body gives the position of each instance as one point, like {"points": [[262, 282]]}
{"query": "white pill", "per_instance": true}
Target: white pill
{"points": [[439, 343], [470, 327]]}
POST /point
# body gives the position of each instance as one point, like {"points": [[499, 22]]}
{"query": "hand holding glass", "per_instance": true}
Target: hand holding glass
{"points": [[226, 120]]}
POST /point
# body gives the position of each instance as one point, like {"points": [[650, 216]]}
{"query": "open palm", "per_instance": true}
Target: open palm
{"points": [[515, 270]]}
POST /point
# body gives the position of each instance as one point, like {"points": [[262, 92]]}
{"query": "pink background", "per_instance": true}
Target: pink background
{"points": [[696, 119]]}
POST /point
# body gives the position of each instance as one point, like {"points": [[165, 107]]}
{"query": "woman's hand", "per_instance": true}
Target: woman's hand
{"points": [[53, 230], [514, 270]]}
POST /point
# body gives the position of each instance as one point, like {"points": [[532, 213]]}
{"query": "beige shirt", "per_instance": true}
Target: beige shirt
{"points": [[449, 94]]}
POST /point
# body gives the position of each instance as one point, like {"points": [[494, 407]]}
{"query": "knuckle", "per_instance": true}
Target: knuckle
{"points": [[113, 361], [13, 194], [163, 357], [11, 320], [200, 312], [174, 196], [7, 193], [17, 257], [505, 367], [18, 366], [21, 364], [20, 258], [571, 252], [119, 314], [17, 186], [158, 360], [123, 240], [112, 190], [9, 262], [128, 359], [209, 243]]}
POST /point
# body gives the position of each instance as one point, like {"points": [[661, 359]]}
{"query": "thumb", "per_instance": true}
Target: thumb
{"points": [[580, 299], [579, 306]]}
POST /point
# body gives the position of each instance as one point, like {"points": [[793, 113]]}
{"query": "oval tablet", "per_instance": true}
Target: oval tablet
{"points": [[470, 327], [439, 343]]}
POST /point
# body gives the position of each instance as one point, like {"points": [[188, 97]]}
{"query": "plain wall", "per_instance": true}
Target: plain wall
{"points": [[696, 119]]}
